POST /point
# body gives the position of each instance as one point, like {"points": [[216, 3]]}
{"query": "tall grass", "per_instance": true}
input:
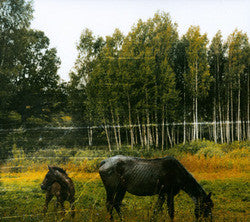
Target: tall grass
{"points": [[222, 169]]}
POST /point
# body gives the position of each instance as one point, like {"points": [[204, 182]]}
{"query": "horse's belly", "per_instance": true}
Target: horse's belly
{"points": [[142, 181], [143, 190]]}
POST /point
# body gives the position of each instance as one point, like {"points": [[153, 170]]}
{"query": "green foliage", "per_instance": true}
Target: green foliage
{"points": [[194, 146], [17, 153], [211, 151], [28, 67], [18, 159]]}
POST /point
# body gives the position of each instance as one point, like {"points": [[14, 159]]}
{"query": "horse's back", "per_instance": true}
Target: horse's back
{"points": [[139, 176]]}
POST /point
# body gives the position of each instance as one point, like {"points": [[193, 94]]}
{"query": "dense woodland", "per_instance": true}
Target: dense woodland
{"points": [[149, 88]]}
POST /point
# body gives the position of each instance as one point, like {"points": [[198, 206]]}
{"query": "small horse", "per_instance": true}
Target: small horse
{"points": [[146, 177], [57, 183]]}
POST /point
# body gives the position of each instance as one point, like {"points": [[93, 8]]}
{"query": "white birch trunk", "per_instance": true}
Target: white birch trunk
{"points": [[114, 127], [130, 125], [162, 129], [145, 136], [148, 130], [184, 118], [90, 135], [196, 103], [169, 137], [238, 114], [140, 131], [248, 110], [232, 115], [119, 131], [228, 120], [107, 136], [221, 127], [194, 123], [214, 121], [156, 131]]}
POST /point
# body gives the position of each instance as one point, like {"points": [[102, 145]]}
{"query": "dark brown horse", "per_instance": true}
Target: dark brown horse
{"points": [[58, 184], [163, 176]]}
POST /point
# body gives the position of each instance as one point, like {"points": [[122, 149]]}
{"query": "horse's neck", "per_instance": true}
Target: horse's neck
{"points": [[193, 189], [63, 180]]}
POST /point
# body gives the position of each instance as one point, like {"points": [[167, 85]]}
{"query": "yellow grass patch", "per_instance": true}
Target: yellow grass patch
{"points": [[202, 168]]}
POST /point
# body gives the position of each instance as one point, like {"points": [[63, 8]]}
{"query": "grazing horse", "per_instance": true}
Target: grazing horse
{"points": [[146, 177], [57, 183]]}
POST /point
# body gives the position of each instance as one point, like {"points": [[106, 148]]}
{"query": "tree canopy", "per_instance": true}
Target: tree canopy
{"points": [[150, 87]]}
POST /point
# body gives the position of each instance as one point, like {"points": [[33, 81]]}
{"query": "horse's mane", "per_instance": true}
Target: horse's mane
{"points": [[151, 159], [59, 169], [62, 178]]}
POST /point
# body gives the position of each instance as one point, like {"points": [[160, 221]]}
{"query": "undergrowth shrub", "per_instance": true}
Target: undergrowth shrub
{"points": [[211, 151], [18, 159], [205, 155], [194, 146], [243, 152]]}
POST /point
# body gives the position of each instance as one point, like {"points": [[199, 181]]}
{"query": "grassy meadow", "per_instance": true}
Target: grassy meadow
{"points": [[221, 169]]}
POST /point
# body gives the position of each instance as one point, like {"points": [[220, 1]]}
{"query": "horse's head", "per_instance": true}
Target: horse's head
{"points": [[49, 179], [205, 208]]}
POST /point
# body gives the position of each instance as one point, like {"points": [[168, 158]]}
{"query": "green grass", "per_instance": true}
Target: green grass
{"points": [[21, 198], [24, 202]]}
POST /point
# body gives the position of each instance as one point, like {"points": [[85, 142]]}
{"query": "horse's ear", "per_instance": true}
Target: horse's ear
{"points": [[50, 169]]}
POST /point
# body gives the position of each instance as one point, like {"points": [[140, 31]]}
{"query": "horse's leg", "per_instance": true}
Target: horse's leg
{"points": [[60, 201], [56, 206], [110, 201], [48, 199], [170, 203], [62, 207], [118, 200], [159, 203], [72, 207]]}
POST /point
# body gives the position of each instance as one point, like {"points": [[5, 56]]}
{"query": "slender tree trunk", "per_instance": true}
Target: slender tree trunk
{"points": [[200, 131], [221, 127], [90, 135], [196, 102], [107, 135], [135, 136], [156, 130], [214, 121], [232, 114], [169, 137], [243, 129], [148, 130], [119, 130], [173, 134], [248, 109], [238, 115], [194, 121], [178, 135], [140, 131], [114, 127], [162, 129], [130, 124], [228, 119], [3, 51], [184, 118], [145, 136], [126, 130]]}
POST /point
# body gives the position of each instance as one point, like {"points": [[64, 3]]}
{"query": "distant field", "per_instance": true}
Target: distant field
{"points": [[226, 177]]}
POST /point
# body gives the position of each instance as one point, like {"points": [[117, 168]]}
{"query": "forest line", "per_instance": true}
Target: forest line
{"points": [[157, 85]]}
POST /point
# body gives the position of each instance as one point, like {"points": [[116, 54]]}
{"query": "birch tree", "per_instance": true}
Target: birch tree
{"points": [[216, 57], [198, 78], [237, 43]]}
